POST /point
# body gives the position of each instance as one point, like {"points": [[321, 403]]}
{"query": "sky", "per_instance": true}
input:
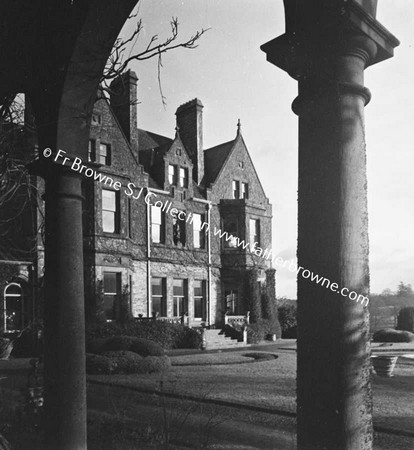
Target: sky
{"points": [[229, 73]]}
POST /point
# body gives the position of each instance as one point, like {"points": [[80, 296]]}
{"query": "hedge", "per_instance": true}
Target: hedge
{"points": [[288, 320], [166, 334], [390, 335], [140, 346], [125, 362], [405, 319]]}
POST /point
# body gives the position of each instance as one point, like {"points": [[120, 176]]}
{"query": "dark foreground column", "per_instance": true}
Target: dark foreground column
{"points": [[64, 313], [333, 385], [327, 49]]}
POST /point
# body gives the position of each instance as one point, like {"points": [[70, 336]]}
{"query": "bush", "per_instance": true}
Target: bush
{"points": [[166, 334], [142, 347], [255, 302], [189, 338], [99, 365], [390, 335], [405, 320], [288, 322], [256, 332], [116, 343], [124, 362]]}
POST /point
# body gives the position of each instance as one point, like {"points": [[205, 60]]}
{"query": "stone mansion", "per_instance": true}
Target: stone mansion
{"points": [[156, 241]]}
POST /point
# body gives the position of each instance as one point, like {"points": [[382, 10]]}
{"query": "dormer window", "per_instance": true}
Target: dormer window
{"points": [[184, 177], [172, 174]]}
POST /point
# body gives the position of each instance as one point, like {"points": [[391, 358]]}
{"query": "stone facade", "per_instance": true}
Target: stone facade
{"points": [[153, 220]]}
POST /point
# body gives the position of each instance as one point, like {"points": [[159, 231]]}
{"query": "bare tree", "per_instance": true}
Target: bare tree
{"points": [[118, 63], [14, 157]]}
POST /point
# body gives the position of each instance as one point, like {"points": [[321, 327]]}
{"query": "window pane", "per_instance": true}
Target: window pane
{"points": [[156, 215], [156, 234], [198, 307], [172, 174], [110, 283], [178, 288], [245, 190], [105, 154], [156, 286], [254, 231], [178, 231], [108, 200], [108, 221], [236, 189], [13, 290], [183, 177], [13, 308], [230, 225], [157, 306], [198, 288], [197, 222]]}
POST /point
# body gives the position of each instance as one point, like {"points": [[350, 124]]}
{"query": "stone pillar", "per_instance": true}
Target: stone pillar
{"points": [[327, 50], [65, 382]]}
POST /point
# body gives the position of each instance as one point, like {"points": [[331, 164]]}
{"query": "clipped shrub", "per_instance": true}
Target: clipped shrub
{"points": [[269, 304], [99, 365], [405, 319], [140, 346], [256, 332], [117, 343], [234, 332], [145, 347], [390, 335], [168, 335], [124, 361], [255, 303], [95, 345], [288, 320], [189, 338]]}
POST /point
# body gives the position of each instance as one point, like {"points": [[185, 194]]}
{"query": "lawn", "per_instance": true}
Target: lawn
{"points": [[271, 384]]}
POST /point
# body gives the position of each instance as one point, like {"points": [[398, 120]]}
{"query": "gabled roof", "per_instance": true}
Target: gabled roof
{"points": [[148, 140], [214, 159]]}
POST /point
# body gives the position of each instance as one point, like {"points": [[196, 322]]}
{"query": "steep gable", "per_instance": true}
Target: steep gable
{"points": [[232, 161], [214, 159]]}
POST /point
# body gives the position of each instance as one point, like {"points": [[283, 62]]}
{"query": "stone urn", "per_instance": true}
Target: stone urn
{"points": [[384, 365]]}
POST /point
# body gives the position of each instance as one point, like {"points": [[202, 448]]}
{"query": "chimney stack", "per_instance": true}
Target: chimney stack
{"points": [[190, 125], [124, 104]]}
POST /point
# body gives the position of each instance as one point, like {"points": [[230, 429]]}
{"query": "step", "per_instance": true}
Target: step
{"points": [[216, 340]]}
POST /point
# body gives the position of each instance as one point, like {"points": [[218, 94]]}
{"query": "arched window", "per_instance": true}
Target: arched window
{"points": [[13, 307]]}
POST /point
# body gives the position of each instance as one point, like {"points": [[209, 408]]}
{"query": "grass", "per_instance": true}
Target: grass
{"points": [[272, 384], [208, 359], [223, 376]]}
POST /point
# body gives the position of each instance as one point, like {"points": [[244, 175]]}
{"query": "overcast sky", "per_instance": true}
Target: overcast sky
{"points": [[230, 75]]}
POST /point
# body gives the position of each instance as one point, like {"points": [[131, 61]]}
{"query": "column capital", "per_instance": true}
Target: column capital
{"points": [[316, 35]]}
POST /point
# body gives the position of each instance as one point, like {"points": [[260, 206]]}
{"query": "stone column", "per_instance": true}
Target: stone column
{"points": [[65, 382], [327, 50]]}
